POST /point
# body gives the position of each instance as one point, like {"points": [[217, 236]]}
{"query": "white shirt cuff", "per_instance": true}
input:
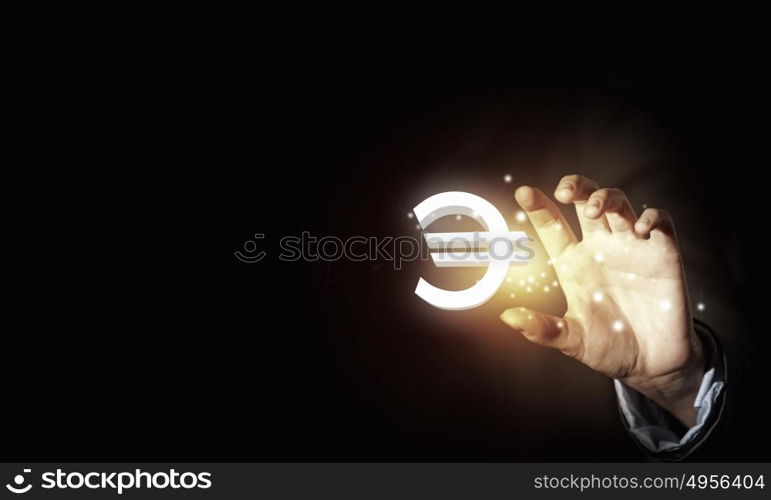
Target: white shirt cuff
{"points": [[652, 426]]}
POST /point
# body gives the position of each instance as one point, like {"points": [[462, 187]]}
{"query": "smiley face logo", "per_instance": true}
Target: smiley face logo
{"points": [[19, 481], [250, 255]]}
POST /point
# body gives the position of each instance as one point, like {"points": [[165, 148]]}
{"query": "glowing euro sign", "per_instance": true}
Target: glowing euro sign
{"points": [[481, 210]]}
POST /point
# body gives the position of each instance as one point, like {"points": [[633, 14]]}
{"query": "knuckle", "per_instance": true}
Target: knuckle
{"points": [[618, 199], [588, 183], [662, 215], [571, 178], [617, 193], [582, 183]]}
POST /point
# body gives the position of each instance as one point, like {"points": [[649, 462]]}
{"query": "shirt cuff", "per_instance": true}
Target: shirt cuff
{"points": [[657, 431]]}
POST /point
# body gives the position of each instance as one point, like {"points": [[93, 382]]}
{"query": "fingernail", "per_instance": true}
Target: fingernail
{"points": [[644, 221], [567, 185], [509, 317]]}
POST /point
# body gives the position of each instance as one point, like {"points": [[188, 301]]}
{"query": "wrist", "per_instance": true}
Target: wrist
{"points": [[676, 391]]}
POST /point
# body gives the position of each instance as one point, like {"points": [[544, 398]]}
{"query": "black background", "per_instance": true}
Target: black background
{"points": [[142, 337]]}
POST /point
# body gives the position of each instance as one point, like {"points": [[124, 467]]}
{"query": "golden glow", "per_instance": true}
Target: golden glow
{"points": [[530, 285]]}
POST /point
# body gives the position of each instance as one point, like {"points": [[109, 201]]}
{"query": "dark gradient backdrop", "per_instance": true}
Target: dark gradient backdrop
{"points": [[162, 345], [354, 366]]}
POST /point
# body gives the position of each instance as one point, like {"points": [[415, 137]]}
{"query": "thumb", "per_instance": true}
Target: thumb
{"points": [[539, 328]]}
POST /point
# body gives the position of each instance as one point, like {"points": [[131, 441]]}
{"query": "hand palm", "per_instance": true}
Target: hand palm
{"points": [[626, 305]]}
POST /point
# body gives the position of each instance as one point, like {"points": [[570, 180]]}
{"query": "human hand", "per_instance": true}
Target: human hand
{"points": [[628, 313]]}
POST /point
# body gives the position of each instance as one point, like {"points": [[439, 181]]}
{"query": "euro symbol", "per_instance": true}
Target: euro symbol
{"points": [[494, 248]]}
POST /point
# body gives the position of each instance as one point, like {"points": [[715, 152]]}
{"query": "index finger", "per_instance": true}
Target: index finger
{"points": [[548, 221]]}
